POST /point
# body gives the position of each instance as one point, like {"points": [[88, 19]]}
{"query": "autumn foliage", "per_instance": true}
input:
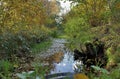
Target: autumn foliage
{"points": [[24, 22]]}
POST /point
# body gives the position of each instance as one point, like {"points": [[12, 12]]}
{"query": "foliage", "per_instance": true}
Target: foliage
{"points": [[13, 43], [5, 69], [113, 59], [98, 69], [78, 31], [109, 35], [25, 75], [23, 23], [111, 39], [113, 74], [55, 32], [38, 73], [115, 9], [98, 12]]}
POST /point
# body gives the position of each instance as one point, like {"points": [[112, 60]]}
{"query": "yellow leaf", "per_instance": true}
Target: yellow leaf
{"points": [[80, 76]]}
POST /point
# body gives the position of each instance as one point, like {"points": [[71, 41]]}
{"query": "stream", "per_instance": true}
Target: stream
{"points": [[58, 58], [65, 65], [57, 61]]}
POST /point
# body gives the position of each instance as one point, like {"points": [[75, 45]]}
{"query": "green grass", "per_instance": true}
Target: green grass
{"points": [[6, 68], [63, 36], [37, 48]]}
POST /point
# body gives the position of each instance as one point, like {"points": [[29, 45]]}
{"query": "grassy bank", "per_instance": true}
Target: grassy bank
{"points": [[37, 48]]}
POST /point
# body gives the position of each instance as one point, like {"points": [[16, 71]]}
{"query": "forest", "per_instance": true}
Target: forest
{"points": [[41, 39]]}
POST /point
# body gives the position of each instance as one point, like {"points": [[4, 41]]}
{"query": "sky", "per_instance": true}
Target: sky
{"points": [[65, 7]]}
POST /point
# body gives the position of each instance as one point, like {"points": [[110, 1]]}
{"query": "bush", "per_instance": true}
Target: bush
{"points": [[13, 43], [78, 31], [19, 43]]}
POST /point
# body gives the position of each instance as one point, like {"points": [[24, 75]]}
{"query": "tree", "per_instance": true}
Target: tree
{"points": [[23, 22], [22, 14], [96, 11]]}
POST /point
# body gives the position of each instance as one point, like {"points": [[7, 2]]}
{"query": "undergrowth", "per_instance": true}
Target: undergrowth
{"points": [[37, 48]]}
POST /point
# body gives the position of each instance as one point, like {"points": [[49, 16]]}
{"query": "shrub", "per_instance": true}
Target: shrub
{"points": [[19, 43]]}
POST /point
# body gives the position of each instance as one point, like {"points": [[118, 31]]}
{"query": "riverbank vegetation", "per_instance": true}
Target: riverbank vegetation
{"points": [[23, 25], [27, 26], [92, 20]]}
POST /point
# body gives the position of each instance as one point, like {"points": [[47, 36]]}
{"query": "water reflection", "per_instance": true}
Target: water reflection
{"points": [[61, 62], [56, 60], [65, 65]]}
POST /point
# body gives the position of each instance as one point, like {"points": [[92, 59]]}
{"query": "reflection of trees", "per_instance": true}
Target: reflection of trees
{"points": [[49, 61], [57, 57]]}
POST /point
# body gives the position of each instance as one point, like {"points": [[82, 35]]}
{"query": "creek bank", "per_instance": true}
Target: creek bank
{"points": [[93, 54]]}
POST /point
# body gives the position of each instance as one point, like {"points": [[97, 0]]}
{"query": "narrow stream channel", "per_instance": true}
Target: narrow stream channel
{"points": [[65, 65], [58, 60]]}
